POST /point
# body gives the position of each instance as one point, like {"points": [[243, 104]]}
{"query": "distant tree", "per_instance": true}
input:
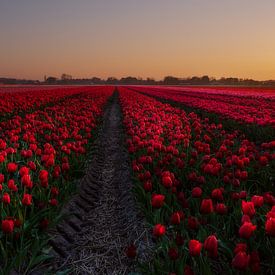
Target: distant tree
{"points": [[150, 81], [195, 80], [112, 80], [129, 80], [96, 80], [51, 80], [170, 80], [66, 77], [205, 79]]}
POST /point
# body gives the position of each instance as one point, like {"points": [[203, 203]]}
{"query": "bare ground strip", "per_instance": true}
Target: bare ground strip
{"points": [[102, 219]]}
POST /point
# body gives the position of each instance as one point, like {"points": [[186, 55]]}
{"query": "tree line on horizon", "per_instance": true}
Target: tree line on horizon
{"points": [[67, 79]]}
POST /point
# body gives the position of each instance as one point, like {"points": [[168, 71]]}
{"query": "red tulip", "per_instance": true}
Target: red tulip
{"points": [[54, 191], [27, 199], [12, 186], [248, 208], [26, 180], [7, 226], [258, 201], [44, 177], [211, 246], [175, 218], [6, 198], [12, 167], [194, 247], [243, 194], [65, 166], [217, 194], [24, 171], [159, 230], [270, 227], [53, 202], [196, 192], [32, 165], [147, 185], [240, 261], [221, 208], [206, 206], [167, 181], [244, 175], [2, 178], [240, 247], [245, 218], [157, 200], [263, 160], [246, 230]]}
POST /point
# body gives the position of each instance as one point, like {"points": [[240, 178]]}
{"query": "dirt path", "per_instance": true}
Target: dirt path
{"points": [[102, 219]]}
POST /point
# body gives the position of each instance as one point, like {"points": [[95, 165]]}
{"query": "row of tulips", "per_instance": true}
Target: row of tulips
{"points": [[247, 109], [17, 100], [40, 155], [206, 192], [247, 92]]}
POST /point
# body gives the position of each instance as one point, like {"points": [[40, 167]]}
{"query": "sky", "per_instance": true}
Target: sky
{"points": [[142, 38]]}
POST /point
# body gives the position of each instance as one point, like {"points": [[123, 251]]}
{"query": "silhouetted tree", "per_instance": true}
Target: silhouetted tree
{"points": [[170, 80], [51, 80], [129, 80], [112, 80], [205, 79], [96, 80]]}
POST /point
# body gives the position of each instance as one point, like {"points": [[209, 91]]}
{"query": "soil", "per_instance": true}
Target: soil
{"points": [[102, 220]]}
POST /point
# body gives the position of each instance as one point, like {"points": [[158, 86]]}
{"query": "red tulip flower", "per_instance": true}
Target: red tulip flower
{"points": [[196, 192], [12, 167], [27, 199], [175, 218], [240, 261], [211, 246], [7, 226], [246, 230], [159, 230], [157, 200], [221, 208], [270, 227], [167, 181], [6, 198], [248, 208], [206, 206], [194, 247], [258, 201]]}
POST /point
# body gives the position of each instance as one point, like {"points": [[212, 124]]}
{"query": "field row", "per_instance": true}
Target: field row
{"points": [[40, 155], [250, 109], [20, 100], [205, 191]]}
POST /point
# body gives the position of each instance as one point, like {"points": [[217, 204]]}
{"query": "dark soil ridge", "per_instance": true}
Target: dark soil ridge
{"points": [[102, 220]]}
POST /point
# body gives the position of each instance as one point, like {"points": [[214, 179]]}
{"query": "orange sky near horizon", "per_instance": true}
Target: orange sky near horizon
{"points": [[142, 38]]}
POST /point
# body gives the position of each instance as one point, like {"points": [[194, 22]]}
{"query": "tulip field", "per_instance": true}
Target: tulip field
{"points": [[202, 162], [43, 142]]}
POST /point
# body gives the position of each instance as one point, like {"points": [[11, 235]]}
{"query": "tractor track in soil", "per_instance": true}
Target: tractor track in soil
{"points": [[102, 220]]}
